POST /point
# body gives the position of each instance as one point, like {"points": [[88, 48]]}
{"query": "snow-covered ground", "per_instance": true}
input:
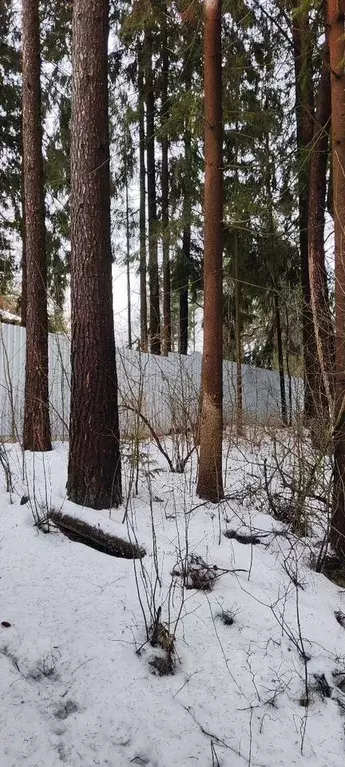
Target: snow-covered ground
{"points": [[74, 690]]}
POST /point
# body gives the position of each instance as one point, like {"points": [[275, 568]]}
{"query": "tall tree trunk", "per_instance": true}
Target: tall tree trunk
{"points": [[142, 210], [36, 434], [165, 189], [128, 260], [239, 388], [94, 468], [280, 358], [304, 121], [23, 296], [337, 57], [186, 210], [210, 481], [155, 340], [183, 291], [324, 332]]}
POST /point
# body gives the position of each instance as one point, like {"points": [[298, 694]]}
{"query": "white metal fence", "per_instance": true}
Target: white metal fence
{"points": [[167, 388]]}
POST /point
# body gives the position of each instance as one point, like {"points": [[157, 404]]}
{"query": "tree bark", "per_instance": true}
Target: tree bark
{"points": [[142, 210], [183, 291], [337, 56], [165, 190], [94, 468], [186, 212], [23, 296], [210, 481], [323, 326], [36, 433], [304, 123], [128, 260], [155, 340]]}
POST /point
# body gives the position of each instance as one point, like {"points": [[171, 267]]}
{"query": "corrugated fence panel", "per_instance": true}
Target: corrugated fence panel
{"points": [[164, 390]]}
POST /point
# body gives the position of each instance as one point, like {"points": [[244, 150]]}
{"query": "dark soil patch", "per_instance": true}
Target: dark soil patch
{"points": [[77, 530], [162, 665]]}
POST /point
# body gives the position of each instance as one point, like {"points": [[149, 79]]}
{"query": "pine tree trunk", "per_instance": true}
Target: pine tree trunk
{"points": [[155, 341], [23, 295], [186, 214], [94, 468], [36, 434], [304, 120], [280, 359], [142, 210], [337, 57], [210, 481], [183, 292], [128, 261], [324, 332], [165, 190]]}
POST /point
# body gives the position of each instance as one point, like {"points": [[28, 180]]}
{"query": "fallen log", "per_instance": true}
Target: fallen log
{"points": [[80, 531]]}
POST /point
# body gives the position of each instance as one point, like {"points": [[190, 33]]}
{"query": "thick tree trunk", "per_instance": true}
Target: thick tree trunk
{"points": [[324, 332], [165, 190], [280, 359], [210, 481], [128, 262], [304, 121], [142, 210], [23, 295], [337, 57], [155, 340], [94, 468], [36, 434]]}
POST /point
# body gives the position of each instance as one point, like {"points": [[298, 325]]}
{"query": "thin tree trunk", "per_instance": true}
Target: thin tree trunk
{"points": [[323, 325], [128, 261], [287, 361], [304, 122], [210, 481], [186, 215], [337, 57], [183, 292], [155, 340], [239, 390], [142, 211], [36, 433], [94, 468], [280, 358], [165, 190]]}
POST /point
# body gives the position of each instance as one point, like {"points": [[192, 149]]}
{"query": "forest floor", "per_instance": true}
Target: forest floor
{"points": [[258, 659]]}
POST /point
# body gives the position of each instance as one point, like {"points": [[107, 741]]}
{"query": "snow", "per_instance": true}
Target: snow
{"points": [[74, 690], [6, 316]]}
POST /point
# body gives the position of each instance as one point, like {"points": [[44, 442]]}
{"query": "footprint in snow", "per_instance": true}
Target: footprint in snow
{"points": [[67, 708]]}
